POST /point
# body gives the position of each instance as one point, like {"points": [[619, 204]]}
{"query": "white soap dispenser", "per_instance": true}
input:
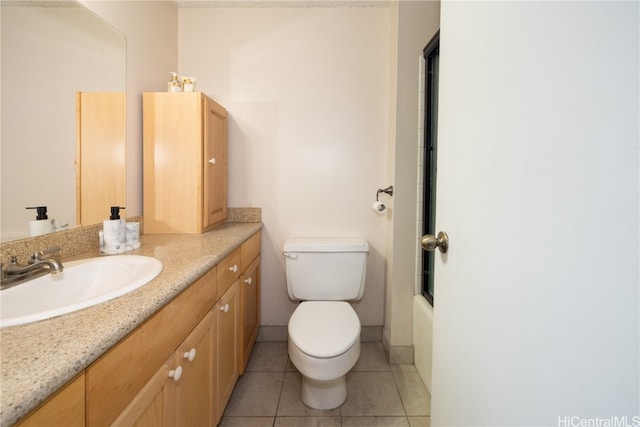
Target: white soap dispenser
{"points": [[113, 233], [42, 224]]}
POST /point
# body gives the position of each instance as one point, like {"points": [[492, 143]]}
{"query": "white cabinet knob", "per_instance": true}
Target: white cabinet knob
{"points": [[190, 355], [176, 374], [224, 308], [234, 269], [248, 281], [212, 161]]}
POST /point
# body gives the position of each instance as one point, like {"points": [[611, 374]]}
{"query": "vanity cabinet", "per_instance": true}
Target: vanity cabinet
{"points": [[100, 155], [184, 162], [181, 392], [195, 390], [153, 405], [180, 366], [65, 408], [227, 343], [249, 298], [118, 376]]}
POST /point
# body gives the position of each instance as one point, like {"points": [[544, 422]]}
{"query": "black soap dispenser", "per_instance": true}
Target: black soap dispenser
{"points": [[113, 233], [42, 224], [115, 212]]}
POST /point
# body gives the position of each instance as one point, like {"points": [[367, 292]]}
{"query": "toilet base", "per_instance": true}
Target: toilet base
{"points": [[324, 394]]}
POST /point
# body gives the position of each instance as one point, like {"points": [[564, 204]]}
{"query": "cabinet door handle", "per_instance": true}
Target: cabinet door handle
{"points": [[212, 161], [190, 355], [248, 281], [224, 308], [176, 374], [234, 269]]}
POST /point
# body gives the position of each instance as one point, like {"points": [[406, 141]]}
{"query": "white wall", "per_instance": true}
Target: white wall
{"points": [[418, 21], [307, 90]]}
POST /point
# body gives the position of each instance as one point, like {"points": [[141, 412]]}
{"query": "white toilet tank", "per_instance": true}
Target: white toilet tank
{"points": [[326, 269]]}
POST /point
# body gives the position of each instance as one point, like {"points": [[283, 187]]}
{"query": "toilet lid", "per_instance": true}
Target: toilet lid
{"points": [[324, 328]]}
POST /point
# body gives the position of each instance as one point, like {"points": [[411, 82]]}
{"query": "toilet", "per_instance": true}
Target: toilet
{"points": [[324, 330]]}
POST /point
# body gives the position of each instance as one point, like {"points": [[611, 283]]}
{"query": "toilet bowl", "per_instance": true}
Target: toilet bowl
{"points": [[324, 330], [324, 344]]}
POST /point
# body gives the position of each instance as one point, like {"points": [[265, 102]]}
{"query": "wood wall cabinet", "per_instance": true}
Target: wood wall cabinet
{"points": [[100, 155], [185, 162]]}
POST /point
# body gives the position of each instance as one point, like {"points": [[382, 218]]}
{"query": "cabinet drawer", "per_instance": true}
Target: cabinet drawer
{"points": [[228, 271], [249, 251]]}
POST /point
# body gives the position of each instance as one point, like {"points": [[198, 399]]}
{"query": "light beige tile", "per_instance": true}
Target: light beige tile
{"points": [[420, 421], [291, 366], [401, 354], [371, 334], [372, 358], [246, 422], [405, 368], [291, 404], [307, 422], [274, 333], [415, 396], [268, 356], [372, 394], [375, 422], [256, 395]]}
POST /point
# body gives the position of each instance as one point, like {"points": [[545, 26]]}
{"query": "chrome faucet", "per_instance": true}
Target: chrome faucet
{"points": [[38, 265]]}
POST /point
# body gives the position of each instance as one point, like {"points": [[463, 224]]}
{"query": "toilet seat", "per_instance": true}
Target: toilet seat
{"points": [[324, 329]]}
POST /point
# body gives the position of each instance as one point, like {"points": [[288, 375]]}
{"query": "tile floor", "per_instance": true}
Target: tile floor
{"points": [[379, 394]]}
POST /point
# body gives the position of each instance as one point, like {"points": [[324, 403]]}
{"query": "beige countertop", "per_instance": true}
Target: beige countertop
{"points": [[38, 358]]}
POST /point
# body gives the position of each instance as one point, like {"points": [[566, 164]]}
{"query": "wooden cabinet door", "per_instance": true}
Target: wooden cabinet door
{"points": [[250, 311], [172, 169], [154, 405], [117, 377], [215, 163], [227, 313], [100, 157], [185, 162], [195, 395]]}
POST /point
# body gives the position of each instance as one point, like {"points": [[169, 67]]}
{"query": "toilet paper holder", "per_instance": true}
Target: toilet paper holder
{"points": [[388, 190]]}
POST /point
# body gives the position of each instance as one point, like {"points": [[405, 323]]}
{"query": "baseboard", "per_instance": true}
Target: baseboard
{"points": [[399, 354]]}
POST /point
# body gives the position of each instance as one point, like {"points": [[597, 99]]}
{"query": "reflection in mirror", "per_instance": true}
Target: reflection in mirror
{"points": [[51, 50]]}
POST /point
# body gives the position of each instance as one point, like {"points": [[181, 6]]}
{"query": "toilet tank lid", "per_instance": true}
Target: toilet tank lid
{"points": [[326, 244]]}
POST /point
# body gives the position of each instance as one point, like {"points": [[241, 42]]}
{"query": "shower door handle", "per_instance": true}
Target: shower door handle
{"points": [[430, 242]]}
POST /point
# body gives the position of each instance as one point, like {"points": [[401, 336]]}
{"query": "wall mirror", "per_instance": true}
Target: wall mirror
{"points": [[51, 50]]}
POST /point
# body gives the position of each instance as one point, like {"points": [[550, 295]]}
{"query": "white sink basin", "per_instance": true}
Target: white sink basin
{"points": [[82, 284]]}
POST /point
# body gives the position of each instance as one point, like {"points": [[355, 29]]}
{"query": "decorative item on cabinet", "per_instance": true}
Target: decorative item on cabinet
{"points": [[185, 162]]}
